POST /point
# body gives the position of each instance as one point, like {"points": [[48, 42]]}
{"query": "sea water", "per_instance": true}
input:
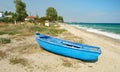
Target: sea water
{"points": [[108, 29]]}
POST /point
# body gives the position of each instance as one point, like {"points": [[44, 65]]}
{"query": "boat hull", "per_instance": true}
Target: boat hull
{"points": [[69, 52]]}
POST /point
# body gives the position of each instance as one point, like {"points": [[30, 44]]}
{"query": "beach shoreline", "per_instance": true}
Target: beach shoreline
{"points": [[101, 36], [110, 47], [108, 30], [84, 30]]}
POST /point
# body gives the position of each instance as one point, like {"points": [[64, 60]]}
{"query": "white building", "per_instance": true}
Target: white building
{"points": [[47, 23], [1, 14]]}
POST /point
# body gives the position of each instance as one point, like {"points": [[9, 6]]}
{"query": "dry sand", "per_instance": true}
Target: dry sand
{"points": [[24, 55]]}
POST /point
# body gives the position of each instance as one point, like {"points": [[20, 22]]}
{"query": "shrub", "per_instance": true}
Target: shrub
{"points": [[51, 30], [1, 33], [4, 40]]}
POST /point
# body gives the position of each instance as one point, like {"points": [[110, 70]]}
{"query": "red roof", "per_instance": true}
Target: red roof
{"points": [[31, 17]]}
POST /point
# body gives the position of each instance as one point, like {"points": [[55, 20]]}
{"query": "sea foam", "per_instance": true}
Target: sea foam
{"points": [[99, 31], [112, 35]]}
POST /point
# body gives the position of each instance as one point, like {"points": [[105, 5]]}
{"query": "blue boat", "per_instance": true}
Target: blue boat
{"points": [[67, 48]]}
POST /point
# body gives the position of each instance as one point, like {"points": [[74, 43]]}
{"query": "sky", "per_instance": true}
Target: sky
{"points": [[95, 11]]}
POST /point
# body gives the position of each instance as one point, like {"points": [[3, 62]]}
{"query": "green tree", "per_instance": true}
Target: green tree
{"points": [[51, 13], [8, 16], [21, 13], [60, 19], [43, 19]]}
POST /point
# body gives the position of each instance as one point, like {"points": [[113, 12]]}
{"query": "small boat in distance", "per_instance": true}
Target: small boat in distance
{"points": [[67, 48]]}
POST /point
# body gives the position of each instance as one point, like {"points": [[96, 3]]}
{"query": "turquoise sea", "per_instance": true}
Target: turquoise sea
{"points": [[108, 29]]}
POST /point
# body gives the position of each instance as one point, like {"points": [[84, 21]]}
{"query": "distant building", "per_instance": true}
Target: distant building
{"points": [[47, 23], [1, 15], [29, 18], [8, 16]]}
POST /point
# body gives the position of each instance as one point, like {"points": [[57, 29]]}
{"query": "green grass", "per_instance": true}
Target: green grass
{"points": [[52, 30], [4, 40], [10, 29], [7, 32], [1, 33]]}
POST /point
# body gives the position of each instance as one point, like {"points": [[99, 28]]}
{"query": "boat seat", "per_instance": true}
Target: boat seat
{"points": [[45, 37], [70, 45]]}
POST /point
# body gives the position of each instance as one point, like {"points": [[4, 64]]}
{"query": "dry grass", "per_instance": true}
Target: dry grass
{"points": [[25, 49], [30, 48], [17, 60], [29, 29], [17, 37], [2, 54], [66, 63], [46, 67]]}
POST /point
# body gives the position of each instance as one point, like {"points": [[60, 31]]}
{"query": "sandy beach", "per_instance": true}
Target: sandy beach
{"points": [[31, 58], [109, 59]]}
